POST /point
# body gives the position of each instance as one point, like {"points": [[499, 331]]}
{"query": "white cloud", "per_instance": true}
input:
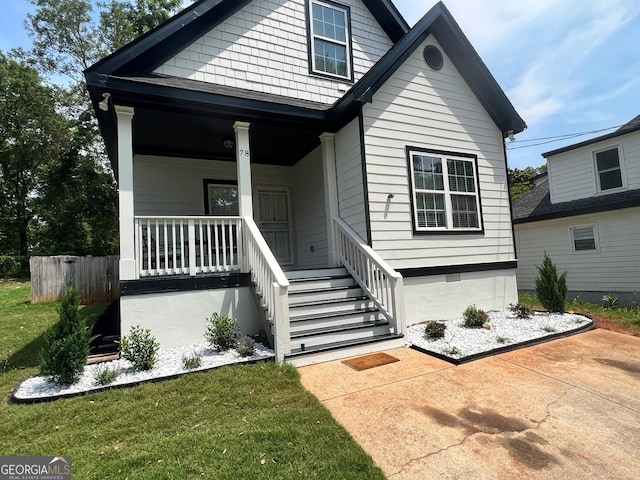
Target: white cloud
{"points": [[541, 51]]}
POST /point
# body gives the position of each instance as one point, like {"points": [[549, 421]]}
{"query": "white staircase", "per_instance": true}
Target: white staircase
{"points": [[329, 313]]}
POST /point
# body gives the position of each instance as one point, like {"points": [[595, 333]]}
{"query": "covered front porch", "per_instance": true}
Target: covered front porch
{"points": [[192, 211]]}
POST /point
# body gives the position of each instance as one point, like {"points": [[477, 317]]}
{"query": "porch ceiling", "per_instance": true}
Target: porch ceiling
{"points": [[174, 134]]}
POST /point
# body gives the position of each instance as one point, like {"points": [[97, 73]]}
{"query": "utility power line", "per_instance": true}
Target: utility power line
{"points": [[558, 138]]}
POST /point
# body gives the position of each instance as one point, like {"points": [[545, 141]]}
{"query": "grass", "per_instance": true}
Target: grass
{"points": [[22, 325], [624, 316], [253, 422]]}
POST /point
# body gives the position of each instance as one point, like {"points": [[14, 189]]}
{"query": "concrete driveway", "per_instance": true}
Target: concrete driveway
{"points": [[567, 409]]}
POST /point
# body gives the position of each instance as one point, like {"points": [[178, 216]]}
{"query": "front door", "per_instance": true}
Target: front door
{"points": [[274, 221]]}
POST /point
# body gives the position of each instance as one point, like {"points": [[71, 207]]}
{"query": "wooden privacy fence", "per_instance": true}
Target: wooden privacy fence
{"points": [[95, 278]]}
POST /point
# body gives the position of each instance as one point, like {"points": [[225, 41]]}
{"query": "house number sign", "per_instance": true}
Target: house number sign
{"points": [[244, 153]]}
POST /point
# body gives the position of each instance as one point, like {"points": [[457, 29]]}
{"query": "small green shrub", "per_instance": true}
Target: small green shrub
{"points": [[453, 351], [192, 361], [246, 347], [222, 332], [520, 310], [140, 348], [105, 375], [549, 329], [500, 339], [551, 288], [474, 317], [434, 329], [67, 344], [609, 300]]}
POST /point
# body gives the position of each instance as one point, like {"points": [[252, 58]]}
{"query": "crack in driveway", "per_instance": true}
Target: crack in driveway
{"points": [[489, 422]]}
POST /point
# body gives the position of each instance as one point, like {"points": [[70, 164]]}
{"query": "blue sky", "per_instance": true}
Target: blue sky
{"points": [[568, 66]]}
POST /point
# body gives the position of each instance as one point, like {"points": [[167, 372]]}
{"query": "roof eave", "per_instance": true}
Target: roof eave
{"points": [[155, 47], [586, 143], [439, 22]]}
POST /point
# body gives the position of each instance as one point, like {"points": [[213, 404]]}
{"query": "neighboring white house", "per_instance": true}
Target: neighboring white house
{"points": [[585, 213], [315, 168]]}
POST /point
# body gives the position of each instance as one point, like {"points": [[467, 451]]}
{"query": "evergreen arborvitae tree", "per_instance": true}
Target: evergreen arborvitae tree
{"points": [[67, 343], [551, 289]]}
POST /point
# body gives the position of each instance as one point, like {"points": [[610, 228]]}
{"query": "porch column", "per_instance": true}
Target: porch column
{"points": [[330, 192], [243, 158], [125, 195]]}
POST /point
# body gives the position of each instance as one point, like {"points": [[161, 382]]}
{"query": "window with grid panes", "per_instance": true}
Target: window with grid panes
{"points": [[445, 192], [330, 39]]}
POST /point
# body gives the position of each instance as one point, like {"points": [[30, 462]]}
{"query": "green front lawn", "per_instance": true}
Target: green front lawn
{"points": [[250, 422]]}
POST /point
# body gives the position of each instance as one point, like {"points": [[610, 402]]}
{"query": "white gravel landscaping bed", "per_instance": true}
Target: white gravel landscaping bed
{"points": [[506, 331], [169, 364]]}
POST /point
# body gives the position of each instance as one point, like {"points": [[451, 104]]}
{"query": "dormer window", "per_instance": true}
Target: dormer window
{"points": [[609, 173], [330, 39]]}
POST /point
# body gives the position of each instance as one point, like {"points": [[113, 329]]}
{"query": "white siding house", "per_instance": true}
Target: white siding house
{"points": [[314, 168], [585, 214]]}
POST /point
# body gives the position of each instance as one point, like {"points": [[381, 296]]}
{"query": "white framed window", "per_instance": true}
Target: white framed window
{"points": [[221, 198], [608, 169], [444, 190], [330, 39], [584, 238]]}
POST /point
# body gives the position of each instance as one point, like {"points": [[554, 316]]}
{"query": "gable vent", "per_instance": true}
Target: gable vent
{"points": [[433, 57]]}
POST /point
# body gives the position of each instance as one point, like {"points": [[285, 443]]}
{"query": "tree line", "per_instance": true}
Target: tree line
{"points": [[57, 190]]}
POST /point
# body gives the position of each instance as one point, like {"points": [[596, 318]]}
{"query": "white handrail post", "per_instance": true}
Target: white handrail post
{"points": [[398, 300], [281, 322], [137, 236], [192, 247], [240, 244]]}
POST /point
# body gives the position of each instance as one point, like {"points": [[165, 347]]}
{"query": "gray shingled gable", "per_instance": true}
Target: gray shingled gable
{"points": [[153, 48]]}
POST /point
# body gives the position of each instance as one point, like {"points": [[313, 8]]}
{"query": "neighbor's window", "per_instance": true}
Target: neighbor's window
{"points": [[445, 192], [330, 39], [608, 168], [583, 238], [222, 199]]}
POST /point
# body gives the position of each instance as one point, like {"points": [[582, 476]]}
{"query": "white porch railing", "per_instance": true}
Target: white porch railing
{"points": [[380, 282], [187, 245], [271, 284]]}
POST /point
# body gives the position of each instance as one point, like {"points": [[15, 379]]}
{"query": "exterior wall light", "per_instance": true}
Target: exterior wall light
{"points": [[104, 104]]}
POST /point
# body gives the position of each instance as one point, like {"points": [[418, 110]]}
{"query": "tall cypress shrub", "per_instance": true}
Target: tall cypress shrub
{"points": [[67, 343], [551, 288]]}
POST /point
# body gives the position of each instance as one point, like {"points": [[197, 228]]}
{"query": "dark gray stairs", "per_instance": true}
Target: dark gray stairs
{"points": [[328, 311]]}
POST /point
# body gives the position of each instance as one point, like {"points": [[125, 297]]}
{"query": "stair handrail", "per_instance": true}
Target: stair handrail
{"points": [[381, 283], [271, 285]]}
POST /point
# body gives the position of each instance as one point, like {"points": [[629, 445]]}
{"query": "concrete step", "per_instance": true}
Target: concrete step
{"points": [[316, 273], [319, 294], [342, 350], [335, 319], [325, 307], [318, 337], [317, 283]]}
